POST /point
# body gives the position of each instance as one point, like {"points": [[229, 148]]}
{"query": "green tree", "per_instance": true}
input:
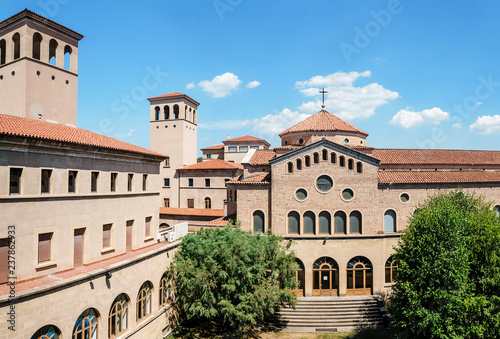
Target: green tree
{"points": [[199, 159], [449, 270], [232, 277]]}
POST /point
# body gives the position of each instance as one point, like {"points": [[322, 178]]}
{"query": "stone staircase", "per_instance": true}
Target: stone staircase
{"points": [[334, 314]]}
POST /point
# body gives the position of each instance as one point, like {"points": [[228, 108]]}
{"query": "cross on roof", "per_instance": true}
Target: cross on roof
{"points": [[323, 92]]}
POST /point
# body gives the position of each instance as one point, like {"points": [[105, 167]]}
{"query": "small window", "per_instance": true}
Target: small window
{"points": [[301, 141], [232, 149], [243, 148], [254, 147], [144, 301], [130, 182], [324, 183], [15, 180], [167, 162], [390, 221], [166, 202], [45, 182], [147, 227], [165, 294], [72, 181], [209, 156], [325, 221], [333, 158], [44, 247], [208, 203], [350, 164], [355, 222], [391, 270], [166, 182], [235, 196], [325, 154], [118, 318], [307, 160], [340, 222], [404, 198], [144, 182], [347, 194], [301, 194], [290, 167], [190, 203], [497, 210], [309, 223], [157, 113], [258, 222], [341, 161], [346, 141], [293, 223], [207, 182], [113, 181], [190, 182], [106, 235], [359, 167], [225, 182], [94, 176], [316, 158], [299, 164]]}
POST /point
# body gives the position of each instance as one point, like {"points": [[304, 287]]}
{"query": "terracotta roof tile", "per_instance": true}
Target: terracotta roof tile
{"points": [[29, 128], [263, 179], [216, 147], [323, 121], [215, 164], [199, 212], [436, 157], [222, 221], [262, 157], [174, 95], [287, 147], [440, 177], [245, 138]]}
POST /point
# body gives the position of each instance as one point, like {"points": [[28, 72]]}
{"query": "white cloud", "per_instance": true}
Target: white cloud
{"points": [[486, 124], [253, 84], [343, 98], [457, 126], [191, 85], [277, 123], [125, 135], [221, 85], [408, 119]]}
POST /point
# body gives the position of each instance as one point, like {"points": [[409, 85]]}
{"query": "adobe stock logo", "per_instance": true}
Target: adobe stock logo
{"points": [[223, 6], [364, 36]]}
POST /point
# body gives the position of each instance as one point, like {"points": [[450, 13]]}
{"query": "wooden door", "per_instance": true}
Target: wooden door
{"points": [[78, 242]]}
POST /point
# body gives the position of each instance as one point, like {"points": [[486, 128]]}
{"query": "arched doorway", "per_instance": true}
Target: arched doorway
{"points": [[325, 277], [359, 276], [300, 275]]}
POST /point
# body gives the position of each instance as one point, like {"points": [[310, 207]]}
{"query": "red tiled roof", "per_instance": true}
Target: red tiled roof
{"points": [[174, 95], [441, 177], [29, 128], [262, 157], [199, 212], [244, 139], [215, 164], [216, 147], [362, 147], [290, 147], [436, 157], [323, 121], [222, 221], [263, 179]]}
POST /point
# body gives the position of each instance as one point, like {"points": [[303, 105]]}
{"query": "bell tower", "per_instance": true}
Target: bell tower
{"points": [[38, 69], [173, 132]]}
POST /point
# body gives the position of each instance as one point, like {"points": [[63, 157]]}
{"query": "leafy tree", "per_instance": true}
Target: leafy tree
{"points": [[232, 277], [199, 159], [448, 283]]}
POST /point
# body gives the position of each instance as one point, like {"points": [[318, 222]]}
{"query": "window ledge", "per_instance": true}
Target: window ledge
{"points": [[148, 238], [107, 250], [46, 265]]}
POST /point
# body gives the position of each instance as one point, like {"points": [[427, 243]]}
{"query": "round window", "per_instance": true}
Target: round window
{"points": [[347, 194], [301, 141], [324, 183], [301, 194], [346, 141], [404, 198]]}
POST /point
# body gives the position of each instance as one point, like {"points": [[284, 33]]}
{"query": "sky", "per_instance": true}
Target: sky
{"points": [[411, 73]]}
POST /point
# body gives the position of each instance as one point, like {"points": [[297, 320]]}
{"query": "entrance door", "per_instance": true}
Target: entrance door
{"points": [[325, 277], [130, 223], [301, 279], [359, 276], [78, 247]]}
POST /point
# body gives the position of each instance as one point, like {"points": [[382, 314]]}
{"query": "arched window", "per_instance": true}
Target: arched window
{"points": [[258, 221], [325, 221], [37, 43], [3, 52], [52, 52], [325, 277], [391, 270], [497, 209], [118, 316], [47, 332], [86, 325], [176, 111], [208, 203], [309, 223], [16, 43], [290, 167], [316, 158], [165, 293], [185, 111], [340, 221], [166, 112], [307, 160], [67, 57], [300, 276], [350, 164], [293, 223], [389, 221], [359, 276], [359, 167], [333, 158], [157, 113], [299, 164], [341, 161], [144, 301], [194, 116], [325, 154], [355, 222]]}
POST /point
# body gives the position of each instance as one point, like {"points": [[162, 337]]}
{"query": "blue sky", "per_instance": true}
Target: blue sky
{"points": [[413, 74]]}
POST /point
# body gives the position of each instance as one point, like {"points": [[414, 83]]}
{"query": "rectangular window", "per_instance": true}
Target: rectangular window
{"points": [[207, 182], [166, 202], [190, 182], [113, 181], [44, 247], [209, 156], [232, 149], [190, 203], [166, 182], [243, 148], [225, 182], [72, 181], [106, 235], [45, 182], [130, 182], [254, 147], [167, 162], [148, 227], [144, 182], [78, 247], [15, 180], [93, 181]]}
